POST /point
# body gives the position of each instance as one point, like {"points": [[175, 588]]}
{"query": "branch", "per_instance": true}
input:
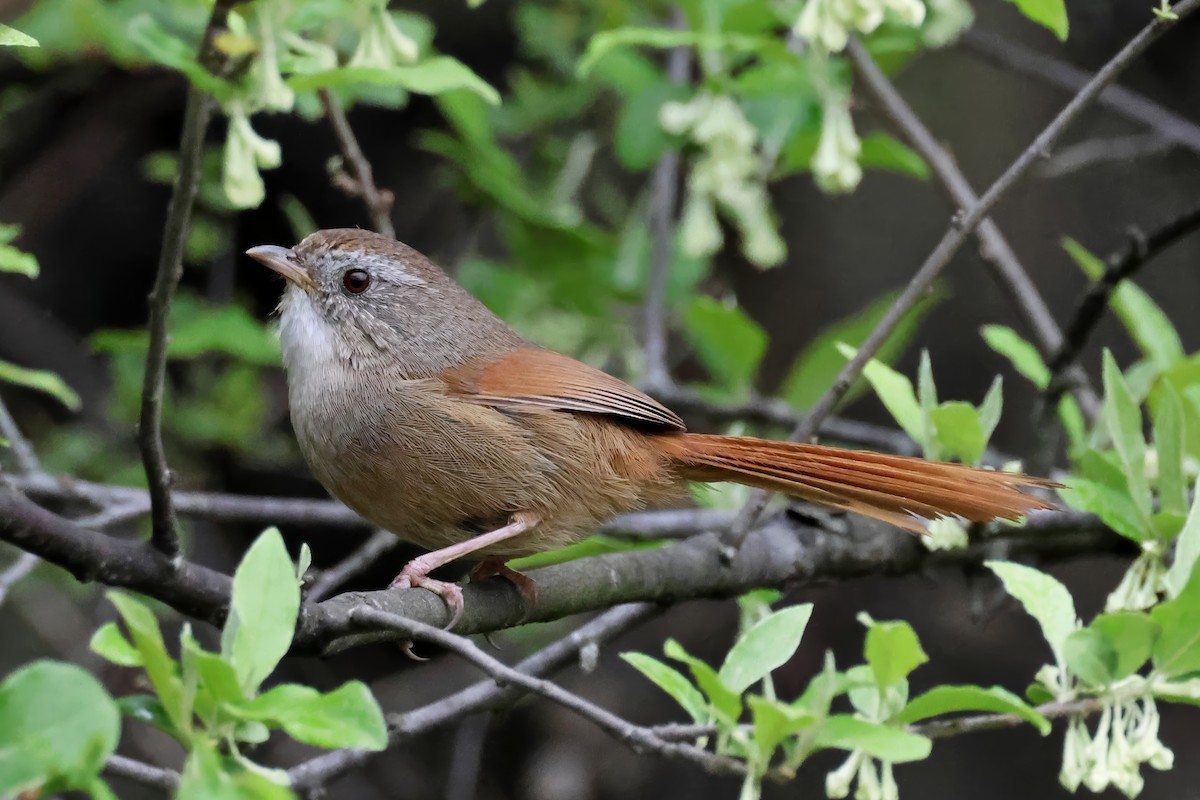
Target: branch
{"points": [[1021, 60], [16, 572], [487, 694], [943, 728], [994, 247], [165, 535], [665, 184], [362, 181], [961, 227], [145, 774], [1104, 149], [639, 738], [1123, 264], [23, 452]]}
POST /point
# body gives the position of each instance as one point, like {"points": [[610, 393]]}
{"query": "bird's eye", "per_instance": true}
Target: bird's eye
{"points": [[356, 281]]}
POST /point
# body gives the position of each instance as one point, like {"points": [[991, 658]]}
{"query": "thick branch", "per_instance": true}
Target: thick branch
{"points": [[961, 227], [165, 536]]}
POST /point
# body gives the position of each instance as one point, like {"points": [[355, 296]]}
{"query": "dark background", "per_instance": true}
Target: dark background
{"points": [[70, 175]]}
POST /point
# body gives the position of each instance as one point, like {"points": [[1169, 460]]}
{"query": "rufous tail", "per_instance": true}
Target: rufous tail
{"points": [[895, 489]]}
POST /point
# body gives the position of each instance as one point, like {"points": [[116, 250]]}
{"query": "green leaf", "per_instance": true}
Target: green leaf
{"points": [[110, 644], [729, 343], [819, 363], [774, 721], [1044, 599], [11, 37], [1146, 323], [433, 76], [991, 408], [1024, 357], [928, 399], [156, 44], [892, 650], [42, 381], [346, 717], [766, 645], [12, 259], [1170, 437], [605, 42], [215, 677], [896, 392], [1187, 551], [959, 431], [725, 702], [208, 775], [1131, 636], [262, 614], [57, 725], [160, 667], [880, 741], [1113, 506], [882, 151], [639, 140], [1177, 650], [1123, 419], [1089, 657], [947, 699], [1051, 14], [672, 682]]}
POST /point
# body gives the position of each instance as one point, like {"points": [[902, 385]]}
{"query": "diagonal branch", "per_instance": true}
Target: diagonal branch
{"points": [[165, 535], [362, 180], [993, 245], [22, 450], [961, 227]]}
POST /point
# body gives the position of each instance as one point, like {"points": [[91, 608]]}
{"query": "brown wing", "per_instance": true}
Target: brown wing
{"points": [[531, 376]]}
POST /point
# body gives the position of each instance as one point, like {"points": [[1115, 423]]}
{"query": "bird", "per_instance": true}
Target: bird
{"points": [[431, 417]]}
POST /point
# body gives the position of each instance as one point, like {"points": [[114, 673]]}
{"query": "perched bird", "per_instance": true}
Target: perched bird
{"points": [[424, 412]]}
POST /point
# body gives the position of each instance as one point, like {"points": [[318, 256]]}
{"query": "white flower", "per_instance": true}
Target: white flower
{"points": [[245, 153], [946, 20], [1142, 584], [827, 24], [838, 782], [383, 45], [269, 91], [835, 164], [945, 533]]}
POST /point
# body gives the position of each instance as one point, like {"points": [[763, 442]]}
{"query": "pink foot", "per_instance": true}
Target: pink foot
{"points": [[414, 576], [495, 567]]}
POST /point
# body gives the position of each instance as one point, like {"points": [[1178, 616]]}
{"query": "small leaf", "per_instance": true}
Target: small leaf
{"points": [[1176, 652], [110, 644], [1113, 506], [727, 341], [947, 699], [885, 152], [880, 741], [42, 381], [262, 613], [160, 667], [1123, 419], [672, 682], [768, 644], [773, 722], [1044, 599], [56, 722], [433, 76], [1024, 357], [214, 676], [11, 37], [959, 431], [928, 399], [1170, 436], [1051, 14], [896, 392], [1088, 656], [725, 702], [990, 409], [1187, 551], [1131, 636], [893, 650], [348, 716]]}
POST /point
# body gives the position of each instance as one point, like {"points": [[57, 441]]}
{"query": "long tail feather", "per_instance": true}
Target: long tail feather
{"points": [[895, 489]]}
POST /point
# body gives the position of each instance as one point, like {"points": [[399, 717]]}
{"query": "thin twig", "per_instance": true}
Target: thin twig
{"points": [[639, 738], [1020, 60], [663, 202], [378, 201], [994, 247], [486, 694], [140, 772], [16, 572], [975, 723], [352, 565], [164, 534], [1140, 250], [1091, 152], [961, 227], [22, 450]]}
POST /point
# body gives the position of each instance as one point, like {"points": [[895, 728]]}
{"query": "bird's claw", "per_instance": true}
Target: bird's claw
{"points": [[451, 593]]}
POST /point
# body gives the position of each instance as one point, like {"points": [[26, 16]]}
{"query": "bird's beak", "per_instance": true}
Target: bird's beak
{"points": [[283, 261]]}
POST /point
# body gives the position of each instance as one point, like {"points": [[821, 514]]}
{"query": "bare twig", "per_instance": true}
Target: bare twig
{"points": [[378, 201], [164, 535], [1020, 60], [1107, 149], [22, 450], [975, 723], [993, 245], [352, 565], [663, 201], [480, 696], [140, 772], [637, 737], [17, 571], [1141, 249], [466, 757], [961, 227]]}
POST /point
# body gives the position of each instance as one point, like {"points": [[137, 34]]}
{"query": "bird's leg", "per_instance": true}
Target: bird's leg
{"points": [[416, 572], [494, 566]]}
